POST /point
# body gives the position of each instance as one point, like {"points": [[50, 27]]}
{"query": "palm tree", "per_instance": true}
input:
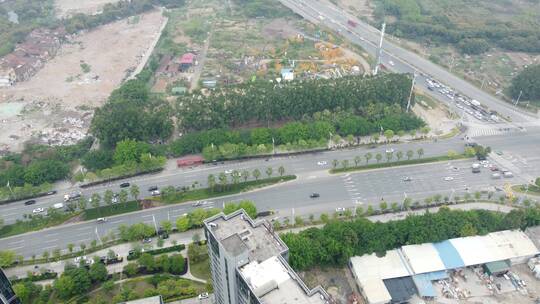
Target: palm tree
{"points": [[211, 181], [378, 157], [368, 156], [281, 170], [245, 175], [269, 171], [420, 152], [389, 156], [107, 197], [123, 196], [256, 174], [134, 191], [410, 154], [399, 155], [357, 160]]}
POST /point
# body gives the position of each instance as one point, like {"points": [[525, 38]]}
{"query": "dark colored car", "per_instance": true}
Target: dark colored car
{"points": [[124, 185], [152, 188], [314, 195], [30, 202]]}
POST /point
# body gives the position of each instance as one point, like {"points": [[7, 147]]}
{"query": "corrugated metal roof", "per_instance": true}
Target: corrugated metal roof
{"points": [[423, 258], [424, 282], [400, 289], [497, 266], [449, 255]]}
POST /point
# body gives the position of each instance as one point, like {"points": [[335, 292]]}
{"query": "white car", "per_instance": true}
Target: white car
{"points": [[38, 210], [391, 62], [203, 295], [101, 220], [228, 171], [340, 209], [390, 150], [155, 193], [448, 178], [322, 163]]}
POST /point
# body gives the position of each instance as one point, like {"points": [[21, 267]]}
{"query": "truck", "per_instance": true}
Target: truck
{"points": [[352, 23], [475, 168], [475, 102], [71, 196]]}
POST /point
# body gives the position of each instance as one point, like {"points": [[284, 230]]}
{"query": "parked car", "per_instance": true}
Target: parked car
{"points": [[340, 209], [124, 185], [101, 220], [314, 195], [321, 163], [51, 192], [147, 240], [152, 188], [448, 178], [203, 295], [407, 179], [30, 202], [155, 193]]}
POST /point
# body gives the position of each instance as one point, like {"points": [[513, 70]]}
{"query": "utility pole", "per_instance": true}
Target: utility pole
{"points": [[410, 93], [379, 51]]}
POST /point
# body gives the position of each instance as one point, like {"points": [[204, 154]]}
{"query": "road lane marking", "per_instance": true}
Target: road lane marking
{"points": [[50, 247], [10, 214], [52, 234], [149, 215], [84, 240], [15, 248], [116, 222], [83, 228], [16, 242], [50, 241]]}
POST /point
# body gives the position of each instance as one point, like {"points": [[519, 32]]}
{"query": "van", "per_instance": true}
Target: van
{"points": [[58, 206], [508, 174], [495, 175]]}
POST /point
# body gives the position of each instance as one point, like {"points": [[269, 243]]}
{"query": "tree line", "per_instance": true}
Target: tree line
{"points": [[338, 241], [527, 84], [266, 102]]}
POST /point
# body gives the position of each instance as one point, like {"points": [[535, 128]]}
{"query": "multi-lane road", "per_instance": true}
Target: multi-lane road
{"points": [[397, 58], [352, 190]]}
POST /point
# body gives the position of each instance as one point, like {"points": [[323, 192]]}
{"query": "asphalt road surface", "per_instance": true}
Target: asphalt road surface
{"points": [[300, 165], [399, 59], [291, 199]]}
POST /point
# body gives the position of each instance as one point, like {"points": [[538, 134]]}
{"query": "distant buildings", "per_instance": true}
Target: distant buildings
{"points": [[249, 264], [7, 295], [151, 300], [30, 55], [413, 269], [287, 74], [186, 61]]}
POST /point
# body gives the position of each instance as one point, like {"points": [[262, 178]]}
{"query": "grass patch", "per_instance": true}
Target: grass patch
{"points": [[205, 193], [400, 163], [533, 189], [199, 262], [452, 133], [104, 211], [37, 222]]}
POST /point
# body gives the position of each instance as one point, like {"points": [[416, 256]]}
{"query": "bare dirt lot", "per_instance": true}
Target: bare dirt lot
{"points": [[70, 7], [60, 97]]}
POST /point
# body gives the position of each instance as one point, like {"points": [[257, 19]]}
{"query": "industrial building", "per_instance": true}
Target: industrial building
{"points": [[249, 264], [413, 269]]}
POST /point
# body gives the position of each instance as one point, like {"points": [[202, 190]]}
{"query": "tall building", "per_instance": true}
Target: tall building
{"points": [[249, 264], [7, 295]]}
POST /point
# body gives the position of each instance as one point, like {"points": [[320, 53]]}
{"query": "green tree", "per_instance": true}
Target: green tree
{"points": [[123, 196], [96, 199], [269, 171], [281, 170], [420, 152], [135, 192], [389, 134], [324, 218], [298, 221], [98, 272], [167, 226], [70, 247], [256, 174], [147, 261], [177, 263], [108, 197], [378, 157], [64, 286], [526, 84], [235, 175], [131, 269], [383, 205], [7, 258], [183, 223], [410, 154], [45, 255], [245, 175], [370, 210], [399, 155], [82, 202], [211, 181], [345, 163], [357, 160], [335, 163], [395, 207], [368, 156], [222, 177], [389, 156]]}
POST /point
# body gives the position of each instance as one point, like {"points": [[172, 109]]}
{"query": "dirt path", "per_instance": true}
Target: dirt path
{"points": [[199, 68]]}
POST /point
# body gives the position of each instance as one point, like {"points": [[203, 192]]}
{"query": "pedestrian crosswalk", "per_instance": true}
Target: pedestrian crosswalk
{"points": [[478, 131]]}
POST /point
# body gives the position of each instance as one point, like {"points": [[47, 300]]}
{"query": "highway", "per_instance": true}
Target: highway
{"points": [[299, 165], [352, 190], [399, 59]]}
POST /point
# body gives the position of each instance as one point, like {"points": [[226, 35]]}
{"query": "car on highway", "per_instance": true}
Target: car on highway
{"points": [[407, 179], [448, 178], [30, 202], [496, 175], [101, 220], [152, 188], [340, 209], [508, 174], [147, 240], [197, 204], [494, 168], [314, 195], [38, 210], [124, 185], [58, 206], [155, 193], [51, 192], [203, 295], [391, 63], [322, 163], [390, 150], [228, 171]]}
